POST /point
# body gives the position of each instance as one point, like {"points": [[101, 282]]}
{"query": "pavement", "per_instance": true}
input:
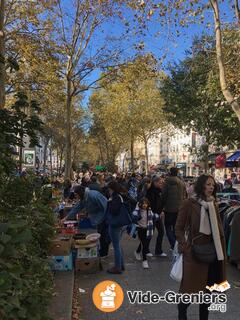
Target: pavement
{"points": [[61, 305], [156, 279]]}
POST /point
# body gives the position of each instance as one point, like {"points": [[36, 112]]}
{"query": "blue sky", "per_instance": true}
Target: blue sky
{"points": [[173, 48]]}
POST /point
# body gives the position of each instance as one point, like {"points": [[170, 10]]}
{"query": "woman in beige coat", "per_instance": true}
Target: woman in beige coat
{"points": [[199, 219]]}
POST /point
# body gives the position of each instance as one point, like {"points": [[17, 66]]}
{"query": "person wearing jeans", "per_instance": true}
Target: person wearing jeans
{"points": [[116, 192], [115, 236]]}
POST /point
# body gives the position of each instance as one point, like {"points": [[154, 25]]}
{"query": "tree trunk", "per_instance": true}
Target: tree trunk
{"points": [[101, 152], [46, 142], [20, 158], [132, 153], [2, 55], [21, 149], [146, 153], [60, 162], [237, 10], [206, 152], [68, 149], [57, 161], [74, 153], [220, 60], [51, 166]]}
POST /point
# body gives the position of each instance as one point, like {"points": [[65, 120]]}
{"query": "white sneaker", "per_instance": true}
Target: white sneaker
{"points": [[163, 255], [145, 264], [137, 256], [149, 254]]}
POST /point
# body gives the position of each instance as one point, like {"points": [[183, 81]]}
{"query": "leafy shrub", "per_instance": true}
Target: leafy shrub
{"points": [[26, 228]]}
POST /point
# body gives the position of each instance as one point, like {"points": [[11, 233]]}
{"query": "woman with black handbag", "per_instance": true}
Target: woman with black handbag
{"points": [[204, 252], [117, 216]]}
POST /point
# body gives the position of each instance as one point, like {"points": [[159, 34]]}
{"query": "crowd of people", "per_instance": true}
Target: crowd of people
{"points": [[160, 204], [148, 198], [187, 212]]}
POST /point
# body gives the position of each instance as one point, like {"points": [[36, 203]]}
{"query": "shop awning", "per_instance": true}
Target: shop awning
{"points": [[234, 157]]}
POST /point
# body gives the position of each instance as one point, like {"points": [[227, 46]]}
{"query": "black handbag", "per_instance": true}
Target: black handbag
{"points": [[205, 253]]}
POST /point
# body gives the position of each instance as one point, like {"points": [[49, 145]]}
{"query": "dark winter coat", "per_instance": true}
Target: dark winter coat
{"points": [[154, 195], [114, 204], [195, 274], [173, 193]]}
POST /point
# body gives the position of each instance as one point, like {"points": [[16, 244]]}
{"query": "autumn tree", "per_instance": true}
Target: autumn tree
{"points": [[104, 132], [150, 116], [126, 91], [129, 107], [174, 16], [224, 82], [19, 25], [80, 51]]}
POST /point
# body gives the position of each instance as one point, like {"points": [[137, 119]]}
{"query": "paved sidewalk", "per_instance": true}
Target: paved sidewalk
{"points": [[155, 279], [61, 306]]}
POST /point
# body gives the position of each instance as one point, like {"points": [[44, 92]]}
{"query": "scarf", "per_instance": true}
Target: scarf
{"points": [[209, 225], [150, 217]]}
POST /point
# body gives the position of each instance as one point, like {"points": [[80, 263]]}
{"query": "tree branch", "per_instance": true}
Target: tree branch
{"points": [[222, 73], [237, 10], [62, 22]]}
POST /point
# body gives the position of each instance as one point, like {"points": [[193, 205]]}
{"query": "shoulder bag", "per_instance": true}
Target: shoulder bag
{"points": [[121, 219], [205, 253]]}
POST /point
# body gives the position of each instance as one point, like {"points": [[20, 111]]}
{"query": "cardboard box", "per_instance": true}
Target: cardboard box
{"points": [[87, 266], [61, 263], [61, 246], [87, 252]]}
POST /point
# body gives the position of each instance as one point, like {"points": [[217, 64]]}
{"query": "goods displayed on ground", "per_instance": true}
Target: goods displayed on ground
{"points": [[72, 248], [87, 255]]}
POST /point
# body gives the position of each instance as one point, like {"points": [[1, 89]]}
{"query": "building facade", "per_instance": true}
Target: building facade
{"points": [[175, 148]]}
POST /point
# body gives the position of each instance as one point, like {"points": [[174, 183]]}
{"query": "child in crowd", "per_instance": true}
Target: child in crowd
{"points": [[145, 225]]}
